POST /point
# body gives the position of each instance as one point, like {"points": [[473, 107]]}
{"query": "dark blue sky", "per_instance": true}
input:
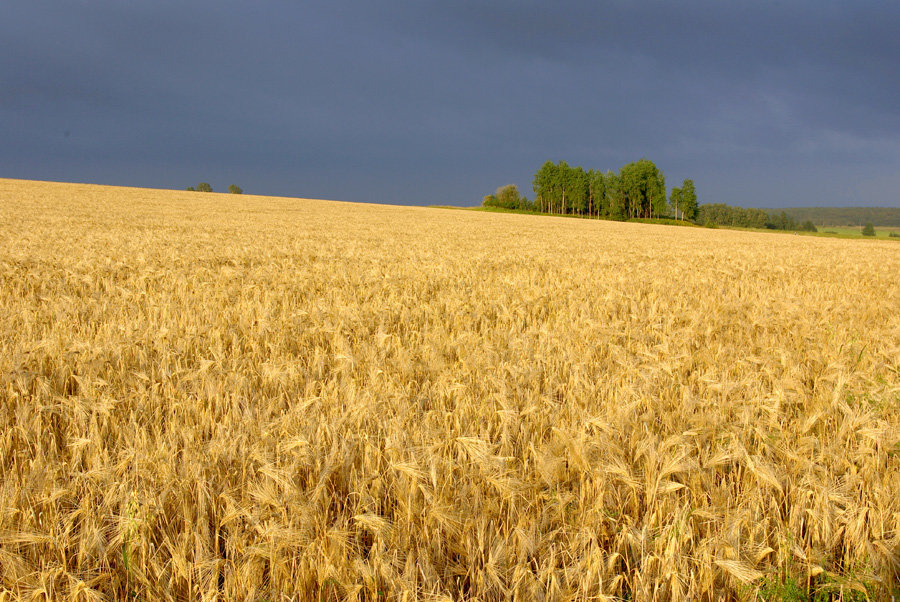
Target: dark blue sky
{"points": [[419, 102]]}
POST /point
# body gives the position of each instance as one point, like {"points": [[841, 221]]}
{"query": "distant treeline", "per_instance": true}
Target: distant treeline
{"points": [[844, 216], [803, 218], [637, 190], [719, 214]]}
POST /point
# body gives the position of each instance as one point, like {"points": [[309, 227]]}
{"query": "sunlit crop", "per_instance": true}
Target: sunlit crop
{"points": [[221, 397]]}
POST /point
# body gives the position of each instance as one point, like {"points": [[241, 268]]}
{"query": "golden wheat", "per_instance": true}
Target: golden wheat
{"points": [[215, 397]]}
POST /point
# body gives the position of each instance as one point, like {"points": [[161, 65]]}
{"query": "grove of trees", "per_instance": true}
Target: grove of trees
{"points": [[638, 190]]}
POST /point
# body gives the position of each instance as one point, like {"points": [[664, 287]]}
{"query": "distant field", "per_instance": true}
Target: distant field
{"points": [[220, 397], [880, 232]]}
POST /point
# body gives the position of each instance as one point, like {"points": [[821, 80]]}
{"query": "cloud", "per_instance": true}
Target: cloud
{"points": [[439, 102]]}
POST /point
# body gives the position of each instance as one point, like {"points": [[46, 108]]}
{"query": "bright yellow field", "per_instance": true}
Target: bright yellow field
{"points": [[215, 397]]}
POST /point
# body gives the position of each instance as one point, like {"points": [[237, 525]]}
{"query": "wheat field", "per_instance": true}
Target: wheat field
{"points": [[219, 397]]}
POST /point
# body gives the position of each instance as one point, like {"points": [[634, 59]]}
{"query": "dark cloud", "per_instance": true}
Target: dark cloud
{"points": [[762, 103]]}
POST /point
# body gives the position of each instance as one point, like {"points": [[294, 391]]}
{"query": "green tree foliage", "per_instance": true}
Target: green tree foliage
{"points": [[689, 199], [868, 230], [615, 196], [190, 189], [846, 216], [638, 190], [720, 214], [561, 189], [676, 201], [204, 187], [542, 184], [643, 187], [808, 226], [782, 221], [630, 187], [235, 189], [597, 204], [506, 197], [577, 190]]}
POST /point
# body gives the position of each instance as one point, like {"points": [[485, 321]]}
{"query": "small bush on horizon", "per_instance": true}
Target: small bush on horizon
{"points": [[235, 189], [507, 197], [868, 230]]}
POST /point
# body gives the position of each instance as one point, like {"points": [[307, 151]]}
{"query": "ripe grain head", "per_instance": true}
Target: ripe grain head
{"points": [[223, 397]]}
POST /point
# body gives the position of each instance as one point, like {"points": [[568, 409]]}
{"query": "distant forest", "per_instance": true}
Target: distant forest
{"points": [[796, 218], [844, 216], [719, 214]]}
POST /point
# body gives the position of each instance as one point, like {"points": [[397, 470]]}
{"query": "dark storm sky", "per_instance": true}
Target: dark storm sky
{"points": [[419, 102]]}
